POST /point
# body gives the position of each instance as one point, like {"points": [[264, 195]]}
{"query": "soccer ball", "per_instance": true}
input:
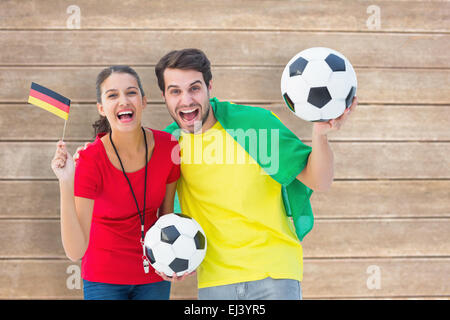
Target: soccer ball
{"points": [[175, 244], [318, 84]]}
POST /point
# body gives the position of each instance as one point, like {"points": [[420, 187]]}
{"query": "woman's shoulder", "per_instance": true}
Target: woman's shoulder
{"points": [[162, 136], [166, 145]]}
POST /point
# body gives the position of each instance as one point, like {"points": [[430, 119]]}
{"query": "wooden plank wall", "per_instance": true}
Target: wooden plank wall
{"points": [[381, 232]]}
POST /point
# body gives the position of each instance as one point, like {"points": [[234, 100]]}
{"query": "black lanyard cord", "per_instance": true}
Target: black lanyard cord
{"points": [[141, 216]]}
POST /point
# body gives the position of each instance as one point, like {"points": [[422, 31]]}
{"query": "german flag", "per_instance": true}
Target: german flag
{"points": [[49, 100]]}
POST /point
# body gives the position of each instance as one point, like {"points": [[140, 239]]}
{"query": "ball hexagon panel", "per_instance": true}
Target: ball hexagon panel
{"points": [[351, 72], [184, 247], [167, 220], [186, 226], [317, 73], [153, 236], [333, 109], [163, 253], [308, 111], [297, 89], [164, 268], [196, 259], [339, 86], [316, 53]]}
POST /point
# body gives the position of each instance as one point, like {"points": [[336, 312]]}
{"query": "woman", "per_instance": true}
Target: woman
{"points": [[120, 184]]}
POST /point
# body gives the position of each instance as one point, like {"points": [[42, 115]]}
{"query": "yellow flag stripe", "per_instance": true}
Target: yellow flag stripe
{"points": [[46, 106]]}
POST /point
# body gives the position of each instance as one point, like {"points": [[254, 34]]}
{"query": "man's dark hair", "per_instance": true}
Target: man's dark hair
{"points": [[186, 59]]}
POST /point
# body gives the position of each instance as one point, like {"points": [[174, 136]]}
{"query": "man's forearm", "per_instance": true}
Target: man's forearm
{"points": [[319, 171], [322, 162]]}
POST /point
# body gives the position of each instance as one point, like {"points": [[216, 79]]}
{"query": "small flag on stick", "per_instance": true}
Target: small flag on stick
{"points": [[51, 101]]}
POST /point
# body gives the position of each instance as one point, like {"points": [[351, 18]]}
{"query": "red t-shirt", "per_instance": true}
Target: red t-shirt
{"points": [[114, 254]]}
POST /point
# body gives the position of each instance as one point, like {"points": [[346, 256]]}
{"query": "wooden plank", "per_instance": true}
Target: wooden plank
{"points": [[346, 199], [60, 279], [380, 123], [371, 199], [31, 239], [40, 279], [355, 160], [368, 122], [378, 238], [327, 279], [38, 47], [29, 199], [239, 84], [349, 278], [79, 126], [379, 160], [329, 238], [422, 16]]}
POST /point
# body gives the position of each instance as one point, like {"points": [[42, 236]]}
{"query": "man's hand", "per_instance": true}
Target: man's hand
{"points": [[77, 152], [323, 128]]}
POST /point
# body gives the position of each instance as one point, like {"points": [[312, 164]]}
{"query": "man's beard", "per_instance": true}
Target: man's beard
{"points": [[198, 125]]}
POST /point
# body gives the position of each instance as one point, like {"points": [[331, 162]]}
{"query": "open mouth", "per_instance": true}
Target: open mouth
{"points": [[189, 115], [125, 115]]}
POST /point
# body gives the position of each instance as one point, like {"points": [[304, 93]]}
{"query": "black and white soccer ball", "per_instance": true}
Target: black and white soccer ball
{"points": [[175, 244], [318, 84]]}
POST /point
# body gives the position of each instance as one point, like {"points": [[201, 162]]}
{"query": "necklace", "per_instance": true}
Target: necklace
{"points": [[145, 261]]}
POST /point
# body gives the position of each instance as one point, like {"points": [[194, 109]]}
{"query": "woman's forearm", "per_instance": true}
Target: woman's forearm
{"points": [[73, 237]]}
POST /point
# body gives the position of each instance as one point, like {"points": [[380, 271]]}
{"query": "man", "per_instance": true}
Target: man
{"points": [[240, 195]]}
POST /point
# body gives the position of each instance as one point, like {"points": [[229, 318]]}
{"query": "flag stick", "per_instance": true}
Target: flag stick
{"points": [[64, 131]]}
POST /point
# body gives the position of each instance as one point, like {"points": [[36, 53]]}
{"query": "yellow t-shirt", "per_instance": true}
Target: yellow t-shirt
{"points": [[240, 209]]}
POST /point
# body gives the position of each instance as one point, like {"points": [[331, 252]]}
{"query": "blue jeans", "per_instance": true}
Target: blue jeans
{"points": [[265, 289], [106, 291]]}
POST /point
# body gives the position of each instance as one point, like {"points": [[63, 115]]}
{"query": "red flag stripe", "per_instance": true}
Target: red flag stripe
{"points": [[49, 100]]}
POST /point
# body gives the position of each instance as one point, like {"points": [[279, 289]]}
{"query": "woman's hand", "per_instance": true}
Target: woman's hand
{"points": [[62, 163], [175, 278]]}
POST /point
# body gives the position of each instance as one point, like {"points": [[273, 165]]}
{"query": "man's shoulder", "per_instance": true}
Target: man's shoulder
{"points": [[231, 109], [238, 106], [232, 115]]}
